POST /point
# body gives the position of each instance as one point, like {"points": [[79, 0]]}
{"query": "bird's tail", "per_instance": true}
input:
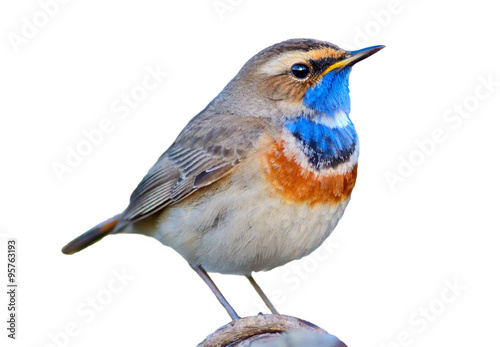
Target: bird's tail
{"points": [[91, 236]]}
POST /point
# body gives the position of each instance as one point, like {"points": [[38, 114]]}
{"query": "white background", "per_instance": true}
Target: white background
{"points": [[392, 254]]}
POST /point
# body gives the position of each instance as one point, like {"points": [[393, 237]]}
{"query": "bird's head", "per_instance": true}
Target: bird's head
{"points": [[297, 77]]}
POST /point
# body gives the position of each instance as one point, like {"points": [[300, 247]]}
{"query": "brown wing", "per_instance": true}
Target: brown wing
{"points": [[206, 150]]}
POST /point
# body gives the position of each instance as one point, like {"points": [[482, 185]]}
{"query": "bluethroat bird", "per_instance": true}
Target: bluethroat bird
{"points": [[262, 175]]}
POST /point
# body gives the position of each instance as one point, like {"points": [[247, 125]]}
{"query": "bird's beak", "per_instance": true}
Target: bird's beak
{"points": [[352, 58]]}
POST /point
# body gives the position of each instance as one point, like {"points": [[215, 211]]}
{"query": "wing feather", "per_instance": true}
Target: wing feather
{"points": [[209, 148]]}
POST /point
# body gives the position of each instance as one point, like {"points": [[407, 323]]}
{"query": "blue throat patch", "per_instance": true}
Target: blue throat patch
{"points": [[330, 94], [327, 142]]}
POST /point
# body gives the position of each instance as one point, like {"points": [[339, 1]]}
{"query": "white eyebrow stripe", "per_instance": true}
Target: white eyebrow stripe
{"points": [[283, 62]]}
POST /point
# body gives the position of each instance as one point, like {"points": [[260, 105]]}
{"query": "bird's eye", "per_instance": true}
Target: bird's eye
{"points": [[300, 71]]}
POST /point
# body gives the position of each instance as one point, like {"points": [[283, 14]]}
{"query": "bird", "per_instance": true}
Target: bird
{"points": [[261, 176]]}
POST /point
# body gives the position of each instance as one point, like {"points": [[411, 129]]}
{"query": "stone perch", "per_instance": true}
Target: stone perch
{"points": [[271, 331]]}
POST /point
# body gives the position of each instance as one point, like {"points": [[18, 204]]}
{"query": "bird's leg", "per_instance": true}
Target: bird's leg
{"points": [[263, 296], [204, 276]]}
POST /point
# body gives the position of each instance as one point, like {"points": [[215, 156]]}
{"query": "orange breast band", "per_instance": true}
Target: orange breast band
{"points": [[296, 184]]}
